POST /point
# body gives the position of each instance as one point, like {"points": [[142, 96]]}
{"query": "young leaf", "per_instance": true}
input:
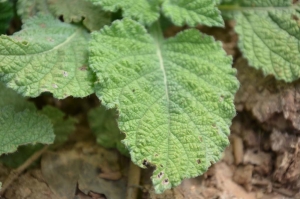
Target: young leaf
{"points": [[23, 128], [29, 8], [62, 127], [47, 56], [6, 13], [104, 125], [181, 12], [175, 97], [192, 12], [10, 97], [93, 16], [269, 36], [144, 11]]}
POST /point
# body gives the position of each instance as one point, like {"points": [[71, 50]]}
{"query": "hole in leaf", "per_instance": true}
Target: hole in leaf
{"points": [[199, 161], [160, 174], [166, 181], [161, 166], [65, 73], [145, 162]]}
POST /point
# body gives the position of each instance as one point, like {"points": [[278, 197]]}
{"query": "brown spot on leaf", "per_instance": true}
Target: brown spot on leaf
{"points": [[199, 161], [83, 68]]}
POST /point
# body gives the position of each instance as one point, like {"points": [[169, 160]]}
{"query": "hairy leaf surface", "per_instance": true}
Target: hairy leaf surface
{"points": [[47, 56], [93, 16], [11, 98], [192, 12], [269, 36], [23, 128], [181, 12], [175, 97], [6, 13], [29, 8], [104, 125]]}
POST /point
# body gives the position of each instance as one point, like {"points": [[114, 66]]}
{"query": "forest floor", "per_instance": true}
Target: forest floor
{"points": [[262, 161]]}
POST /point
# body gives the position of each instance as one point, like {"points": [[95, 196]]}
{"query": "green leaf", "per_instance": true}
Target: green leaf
{"points": [[29, 8], [144, 11], [93, 16], [14, 160], [10, 97], [174, 97], [23, 128], [47, 56], [62, 127], [269, 36], [192, 12], [181, 12], [104, 125], [6, 14]]}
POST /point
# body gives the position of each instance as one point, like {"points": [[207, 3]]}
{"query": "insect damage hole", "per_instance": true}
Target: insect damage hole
{"points": [[160, 175], [166, 181], [65, 73], [145, 162], [199, 161]]}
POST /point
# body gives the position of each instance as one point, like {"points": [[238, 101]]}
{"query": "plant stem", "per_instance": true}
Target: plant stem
{"points": [[134, 176], [14, 174]]}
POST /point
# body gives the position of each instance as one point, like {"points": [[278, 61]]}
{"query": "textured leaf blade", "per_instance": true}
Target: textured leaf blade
{"points": [[30, 8], [104, 125], [23, 128], [269, 36], [11, 98], [93, 16], [192, 12], [47, 56], [175, 97], [181, 12], [144, 11]]}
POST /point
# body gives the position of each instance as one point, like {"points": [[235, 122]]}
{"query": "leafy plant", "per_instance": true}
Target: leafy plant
{"points": [[172, 98]]}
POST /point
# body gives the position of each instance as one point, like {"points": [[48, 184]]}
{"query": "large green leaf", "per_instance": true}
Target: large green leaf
{"points": [[175, 97], [269, 36], [47, 56], [6, 13], [93, 16], [181, 12], [23, 128]]}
